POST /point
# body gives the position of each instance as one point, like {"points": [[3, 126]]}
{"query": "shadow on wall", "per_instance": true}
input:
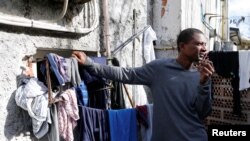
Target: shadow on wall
{"points": [[18, 121]]}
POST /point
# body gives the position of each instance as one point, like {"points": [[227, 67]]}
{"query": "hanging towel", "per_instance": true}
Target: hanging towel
{"points": [[244, 69], [123, 125]]}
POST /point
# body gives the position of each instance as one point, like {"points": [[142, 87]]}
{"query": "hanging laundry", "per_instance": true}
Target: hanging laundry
{"points": [[142, 115], [117, 96], [98, 87], [93, 124], [68, 114], [148, 48], [123, 126], [145, 117], [32, 96], [53, 134], [62, 70], [55, 68], [244, 69], [82, 94]]}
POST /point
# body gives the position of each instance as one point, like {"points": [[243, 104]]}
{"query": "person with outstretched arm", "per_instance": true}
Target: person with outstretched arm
{"points": [[181, 87]]}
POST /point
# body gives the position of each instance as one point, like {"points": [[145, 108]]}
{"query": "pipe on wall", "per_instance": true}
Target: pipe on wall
{"points": [[106, 28], [49, 25], [225, 24], [62, 14]]}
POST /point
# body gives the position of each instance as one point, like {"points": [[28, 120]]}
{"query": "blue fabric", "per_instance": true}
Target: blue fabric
{"points": [[98, 97], [82, 94], [123, 125], [93, 124], [54, 67]]}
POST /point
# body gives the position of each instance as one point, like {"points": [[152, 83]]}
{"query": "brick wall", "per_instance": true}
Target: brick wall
{"points": [[223, 104]]}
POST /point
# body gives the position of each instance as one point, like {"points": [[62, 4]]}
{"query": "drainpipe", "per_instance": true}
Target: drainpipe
{"points": [[107, 40], [133, 52], [49, 25], [225, 21], [228, 45], [62, 14], [106, 30]]}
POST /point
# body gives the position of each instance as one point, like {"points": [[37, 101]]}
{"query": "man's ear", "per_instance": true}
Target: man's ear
{"points": [[181, 45]]}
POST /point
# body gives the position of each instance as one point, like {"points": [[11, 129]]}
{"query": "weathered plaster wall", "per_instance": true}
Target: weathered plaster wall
{"points": [[121, 29], [168, 25], [16, 42], [172, 16], [195, 13]]}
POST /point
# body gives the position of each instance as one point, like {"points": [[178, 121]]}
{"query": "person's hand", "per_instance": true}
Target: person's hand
{"points": [[206, 70], [81, 57]]}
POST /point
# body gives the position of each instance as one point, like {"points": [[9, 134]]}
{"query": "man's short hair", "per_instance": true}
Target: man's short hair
{"points": [[186, 35]]}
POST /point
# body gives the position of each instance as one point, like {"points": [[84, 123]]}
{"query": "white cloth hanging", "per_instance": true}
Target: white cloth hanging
{"points": [[244, 69], [32, 96], [148, 47]]}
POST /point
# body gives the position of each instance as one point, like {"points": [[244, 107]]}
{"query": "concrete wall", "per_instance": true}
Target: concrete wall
{"points": [[181, 14], [16, 42]]}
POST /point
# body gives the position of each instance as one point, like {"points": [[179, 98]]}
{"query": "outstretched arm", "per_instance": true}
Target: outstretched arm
{"points": [[140, 75]]}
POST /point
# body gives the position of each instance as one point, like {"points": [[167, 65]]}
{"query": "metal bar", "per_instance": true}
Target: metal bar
{"points": [[128, 40], [129, 98], [133, 53], [50, 99], [165, 48]]}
